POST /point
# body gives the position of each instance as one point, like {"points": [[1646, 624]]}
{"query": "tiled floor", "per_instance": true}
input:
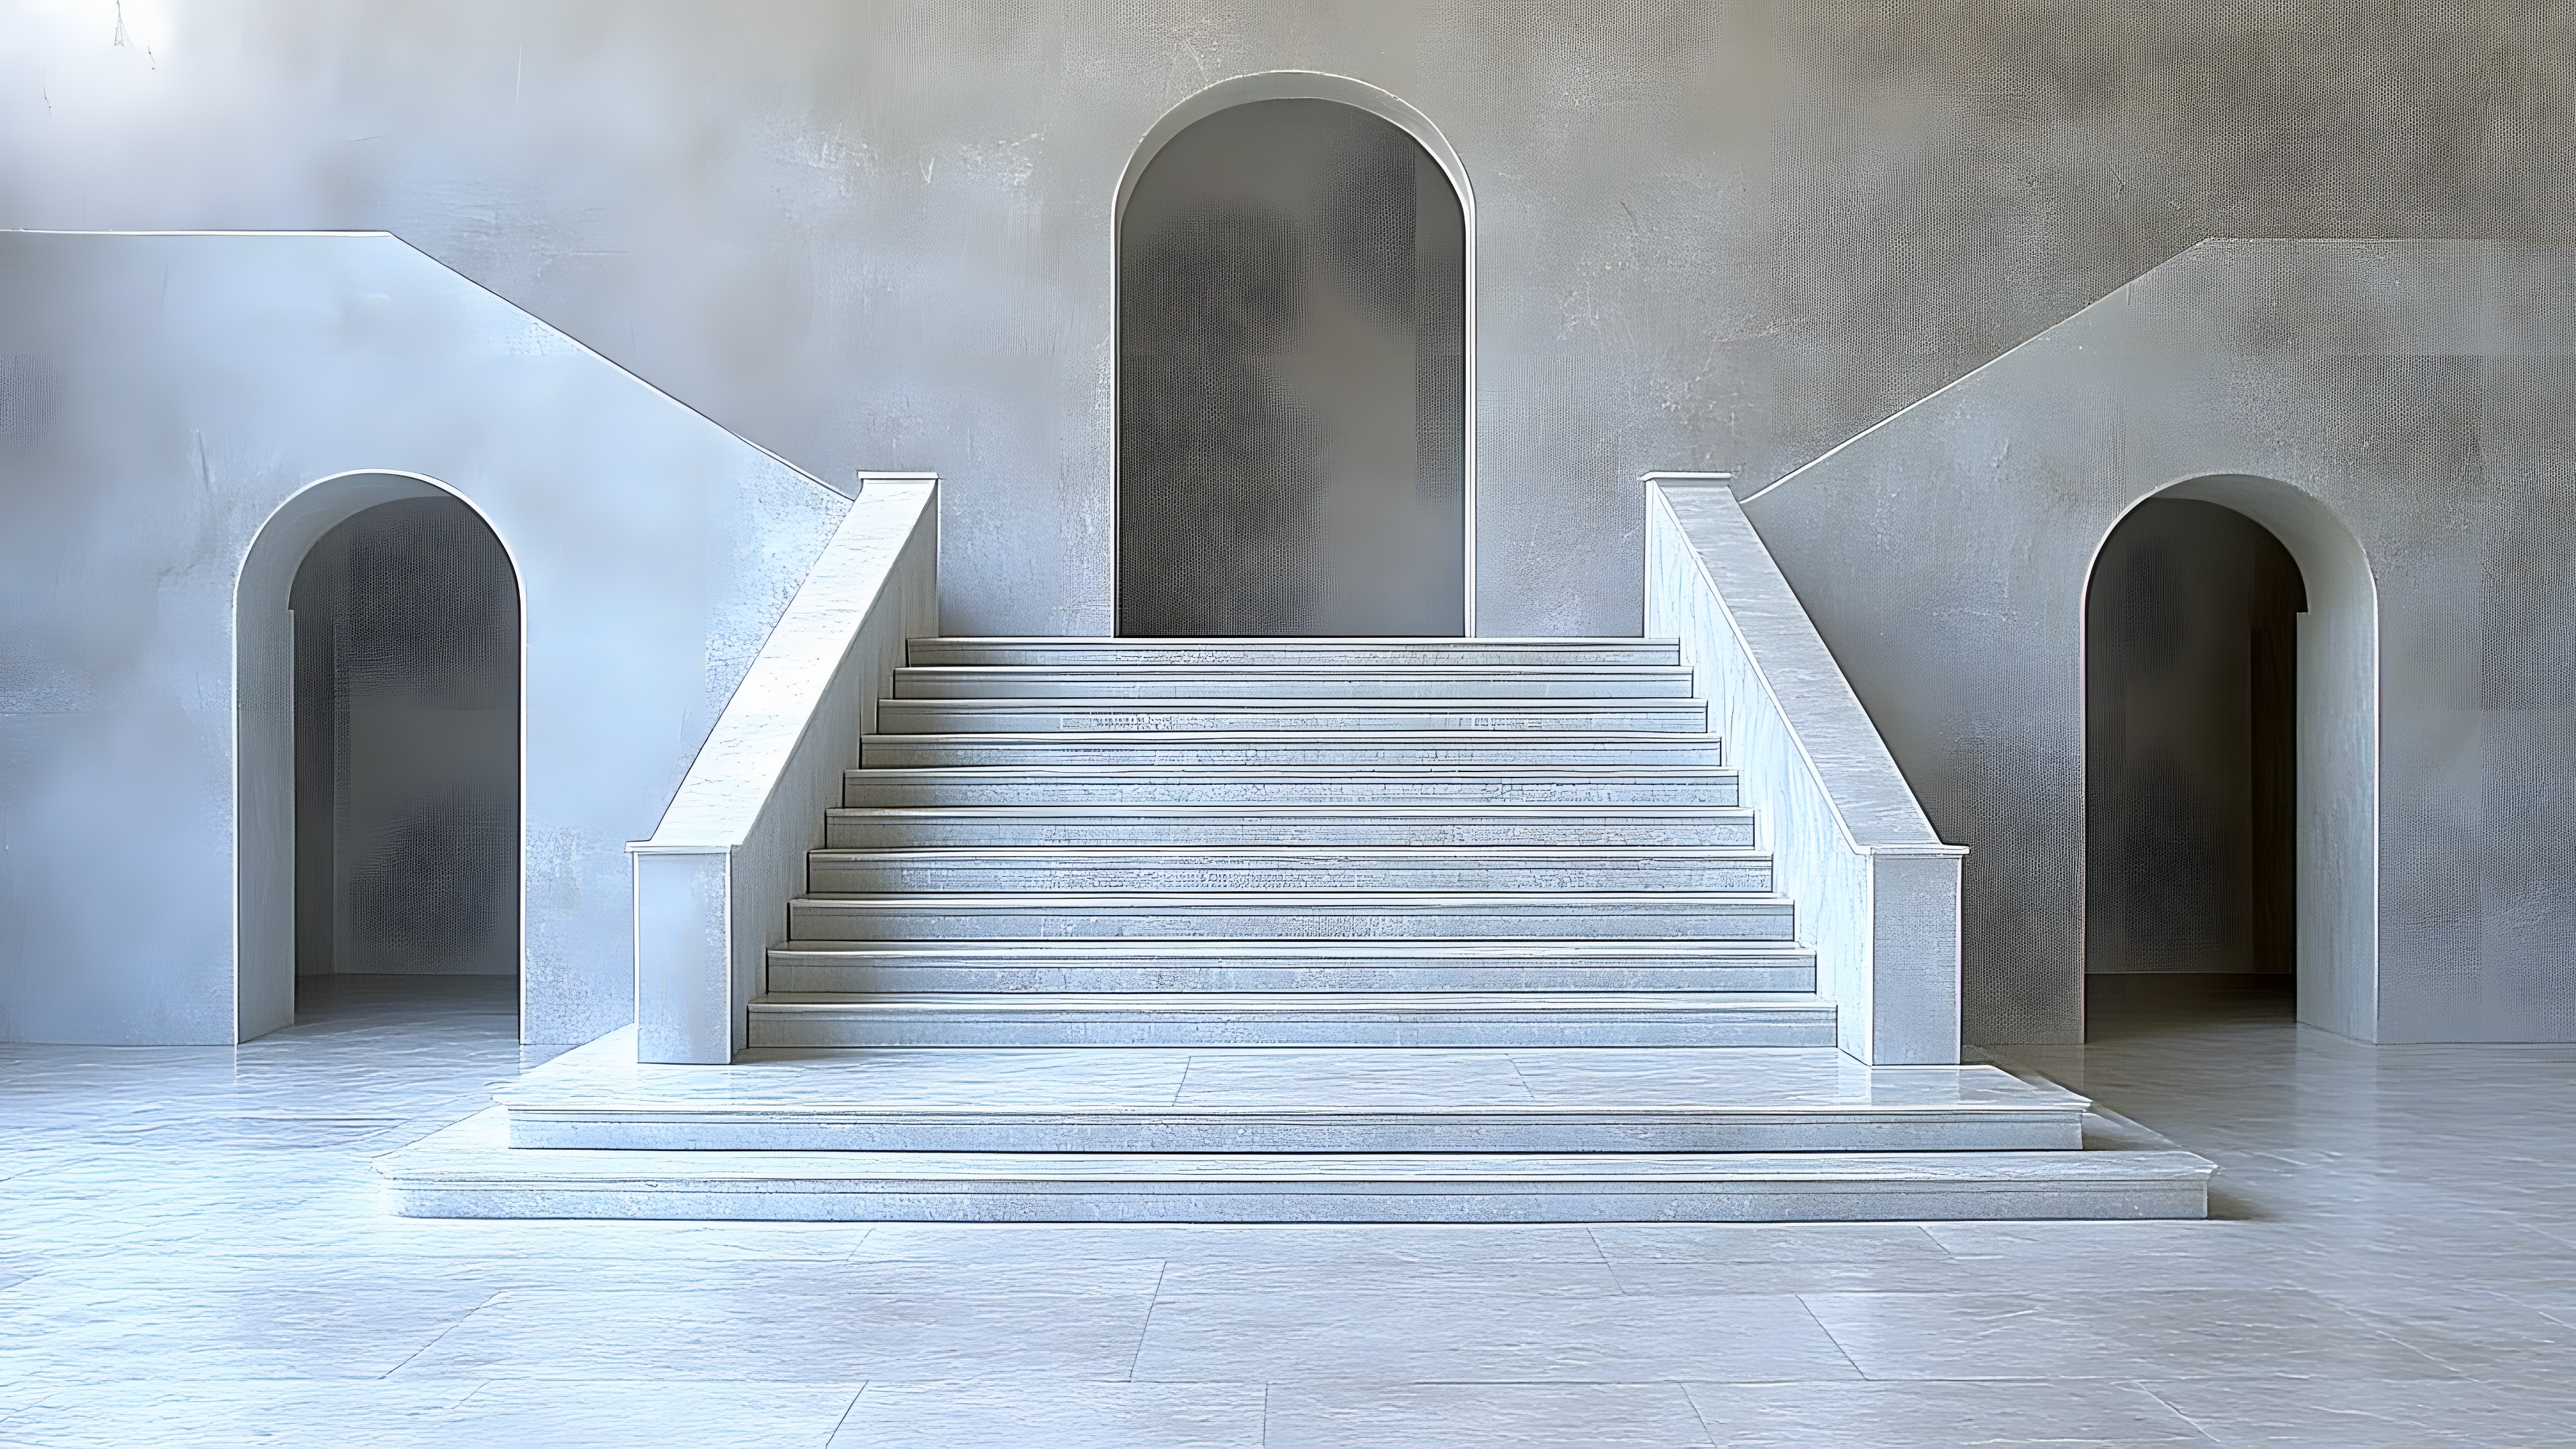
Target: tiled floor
{"points": [[191, 1253]]}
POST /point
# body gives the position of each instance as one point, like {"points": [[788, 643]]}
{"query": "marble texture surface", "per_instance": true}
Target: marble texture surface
{"points": [[191, 1253]]}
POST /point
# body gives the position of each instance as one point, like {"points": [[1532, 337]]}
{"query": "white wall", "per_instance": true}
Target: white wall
{"points": [[166, 395]]}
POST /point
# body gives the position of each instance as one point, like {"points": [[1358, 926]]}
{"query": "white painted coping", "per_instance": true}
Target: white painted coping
{"points": [[1877, 891], [712, 885]]}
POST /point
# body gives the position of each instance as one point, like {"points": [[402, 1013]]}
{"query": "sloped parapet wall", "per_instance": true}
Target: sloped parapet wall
{"points": [[164, 398], [1876, 892], [713, 884], [2402, 415]]}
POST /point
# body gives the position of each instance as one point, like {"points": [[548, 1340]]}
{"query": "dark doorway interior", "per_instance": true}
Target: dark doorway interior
{"points": [[406, 751], [1292, 381], [2191, 761]]}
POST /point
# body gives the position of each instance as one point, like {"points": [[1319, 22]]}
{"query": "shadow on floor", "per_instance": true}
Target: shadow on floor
{"points": [[334, 1003], [2144, 1004]]}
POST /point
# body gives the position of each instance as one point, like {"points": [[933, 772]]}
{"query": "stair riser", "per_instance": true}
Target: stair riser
{"points": [[863, 874], [1112, 827], [1500, 750], [1289, 654], [1324, 1132], [911, 1200], [952, 789], [929, 683], [948, 716], [1212, 1029], [929, 920], [800, 975]]}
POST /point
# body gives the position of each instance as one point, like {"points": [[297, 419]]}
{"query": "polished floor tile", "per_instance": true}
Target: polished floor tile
{"points": [[1482, 1416], [1914, 1415], [193, 1252], [974, 1415]]}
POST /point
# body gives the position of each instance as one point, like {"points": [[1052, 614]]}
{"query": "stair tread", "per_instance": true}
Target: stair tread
{"points": [[961, 901], [604, 1075], [1317, 738], [1334, 774], [1353, 811], [1326, 854], [476, 1150], [1172, 1003], [1463, 948]]}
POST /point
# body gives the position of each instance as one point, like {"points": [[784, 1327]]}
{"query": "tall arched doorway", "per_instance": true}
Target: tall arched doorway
{"points": [[2231, 751], [1294, 369], [379, 686]]}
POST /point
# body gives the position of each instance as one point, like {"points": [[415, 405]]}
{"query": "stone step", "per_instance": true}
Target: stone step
{"points": [[1529, 786], [1294, 1019], [1644, 681], [1364, 715], [1640, 753], [1302, 915], [1300, 1100], [1271, 653], [1177, 966], [469, 1170], [1286, 868], [1355, 824]]}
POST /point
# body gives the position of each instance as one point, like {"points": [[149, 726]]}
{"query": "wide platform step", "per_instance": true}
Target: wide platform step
{"points": [[1393, 787], [1212, 826], [1303, 1100], [470, 1171], [1271, 653], [1307, 915], [1351, 750], [1190, 682], [1233, 965], [1290, 1019], [1288, 868]]}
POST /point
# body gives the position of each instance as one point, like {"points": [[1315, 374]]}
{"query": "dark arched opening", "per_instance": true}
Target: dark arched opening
{"points": [[379, 694], [2191, 761], [1292, 380]]}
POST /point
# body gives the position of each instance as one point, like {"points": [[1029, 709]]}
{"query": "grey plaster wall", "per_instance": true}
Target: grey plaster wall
{"points": [[165, 398], [2419, 397], [879, 235]]}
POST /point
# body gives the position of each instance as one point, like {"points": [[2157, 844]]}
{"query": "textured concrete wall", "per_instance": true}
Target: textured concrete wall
{"points": [[165, 396], [2417, 396], [1720, 236]]}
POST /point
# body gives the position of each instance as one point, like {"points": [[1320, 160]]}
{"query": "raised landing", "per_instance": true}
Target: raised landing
{"points": [[1375, 1135]]}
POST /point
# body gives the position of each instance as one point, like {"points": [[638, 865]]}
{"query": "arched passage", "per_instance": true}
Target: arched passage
{"points": [[1294, 368], [378, 745], [2231, 740]]}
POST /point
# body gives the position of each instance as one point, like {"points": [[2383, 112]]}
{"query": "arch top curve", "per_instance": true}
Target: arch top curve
{"points": [[303, 516], [1299, 85], [2307, 525]]}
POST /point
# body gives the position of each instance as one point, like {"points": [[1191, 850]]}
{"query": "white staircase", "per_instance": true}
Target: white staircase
{"points": [[1291, 844], [1287, 929]]}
